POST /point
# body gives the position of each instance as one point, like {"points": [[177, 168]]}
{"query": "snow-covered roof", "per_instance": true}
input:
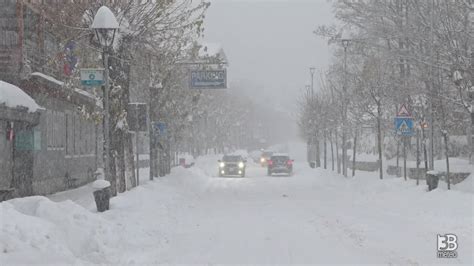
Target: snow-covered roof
{"points": [[49, 78], [14, 97]]}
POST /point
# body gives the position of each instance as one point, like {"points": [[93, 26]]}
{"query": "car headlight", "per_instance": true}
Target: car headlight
{"points": [[241, 165], [222, 165], [262, 160]]}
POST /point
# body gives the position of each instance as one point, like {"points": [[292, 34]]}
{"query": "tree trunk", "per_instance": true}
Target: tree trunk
{"points": [[448, 179], [417, 157], [398, 155], [325, 151], [379, 140], [470, 141], [337, 154], [129, 161], [354, 154], [425, 152], [318, 152], [404, 142], [121, 162], [332, 149], [151, 135]]}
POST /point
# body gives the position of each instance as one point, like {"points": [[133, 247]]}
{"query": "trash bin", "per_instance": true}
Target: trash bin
{"points": [[312, 164], [432, 179], [101, 194]]}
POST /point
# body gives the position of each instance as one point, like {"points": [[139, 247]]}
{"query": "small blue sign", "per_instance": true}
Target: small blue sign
{"points": [[160, 128], [404, 126]]}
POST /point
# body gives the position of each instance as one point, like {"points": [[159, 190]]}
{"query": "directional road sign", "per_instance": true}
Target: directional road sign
{"points": [[209, 79]]}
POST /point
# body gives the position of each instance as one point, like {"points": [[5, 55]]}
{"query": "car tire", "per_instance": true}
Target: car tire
{"points": [[269, 173]]}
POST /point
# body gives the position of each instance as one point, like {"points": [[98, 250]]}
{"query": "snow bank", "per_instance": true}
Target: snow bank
{"points": [[466, 186], [35, 230], [14, 97]]}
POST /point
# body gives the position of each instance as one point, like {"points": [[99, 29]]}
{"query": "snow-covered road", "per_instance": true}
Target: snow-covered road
{"points": [[191, 216]]}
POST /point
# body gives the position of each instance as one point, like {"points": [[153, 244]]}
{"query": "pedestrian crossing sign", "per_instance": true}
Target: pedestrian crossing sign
{"points": [[404, 126]]}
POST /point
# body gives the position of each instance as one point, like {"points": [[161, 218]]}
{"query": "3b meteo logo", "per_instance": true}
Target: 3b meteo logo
{"points": [[447, 245]]}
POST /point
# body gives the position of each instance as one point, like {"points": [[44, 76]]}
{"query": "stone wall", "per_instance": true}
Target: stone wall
{"points": [[413, 173], [365, 166]]}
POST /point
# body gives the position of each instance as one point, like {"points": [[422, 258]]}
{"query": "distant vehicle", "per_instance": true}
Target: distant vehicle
{"points": [[232, 165], [265, 157], [280, 163]]}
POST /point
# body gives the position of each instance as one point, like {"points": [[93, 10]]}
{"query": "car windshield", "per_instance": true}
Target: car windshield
{"points": [[280, 158], [232, 158]]}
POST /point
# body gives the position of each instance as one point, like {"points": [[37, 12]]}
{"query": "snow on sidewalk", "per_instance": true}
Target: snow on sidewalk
{"points": [[192, 216]]}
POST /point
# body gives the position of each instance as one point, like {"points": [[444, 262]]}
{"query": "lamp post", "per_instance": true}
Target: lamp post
{"points": [[345, 41], [105, 26]]}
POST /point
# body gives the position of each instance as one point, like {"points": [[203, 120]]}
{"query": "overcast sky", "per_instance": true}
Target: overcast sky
{"points": [[270, 45]]}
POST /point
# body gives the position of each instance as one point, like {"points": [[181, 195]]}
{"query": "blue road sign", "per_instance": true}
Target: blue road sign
{"points": [[160, 128], [404, 126], [209, 79]]}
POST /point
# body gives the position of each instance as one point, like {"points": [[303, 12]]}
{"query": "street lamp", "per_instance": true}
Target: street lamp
{"points": [[345, 41], [105, 26]]}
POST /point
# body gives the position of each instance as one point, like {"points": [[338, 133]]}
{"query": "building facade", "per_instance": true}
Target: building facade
{"points": [[66, 135]]}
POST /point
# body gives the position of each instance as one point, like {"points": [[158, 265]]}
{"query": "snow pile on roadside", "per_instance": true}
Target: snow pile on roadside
{"points": [[14, 97], [466, 186], [36, 228]]}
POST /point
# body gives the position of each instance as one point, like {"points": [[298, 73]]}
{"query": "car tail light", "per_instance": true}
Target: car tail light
{"points": [[290, 162], [270, 162]]}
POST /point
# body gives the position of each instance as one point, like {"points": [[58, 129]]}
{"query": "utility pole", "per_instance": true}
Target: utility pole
{"points": [[315, 136], [345, 44]]}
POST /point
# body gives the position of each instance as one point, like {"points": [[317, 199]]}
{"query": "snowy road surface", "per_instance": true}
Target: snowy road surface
{"points": [[192, 216]]}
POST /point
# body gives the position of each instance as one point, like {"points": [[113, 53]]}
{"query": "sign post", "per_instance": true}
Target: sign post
{"points": [[136, 119], [404, 127], [92, 77]]}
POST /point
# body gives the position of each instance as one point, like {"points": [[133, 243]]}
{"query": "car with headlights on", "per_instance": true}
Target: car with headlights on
{"points": [[280, 163], [265, 157], [232, 165]]}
